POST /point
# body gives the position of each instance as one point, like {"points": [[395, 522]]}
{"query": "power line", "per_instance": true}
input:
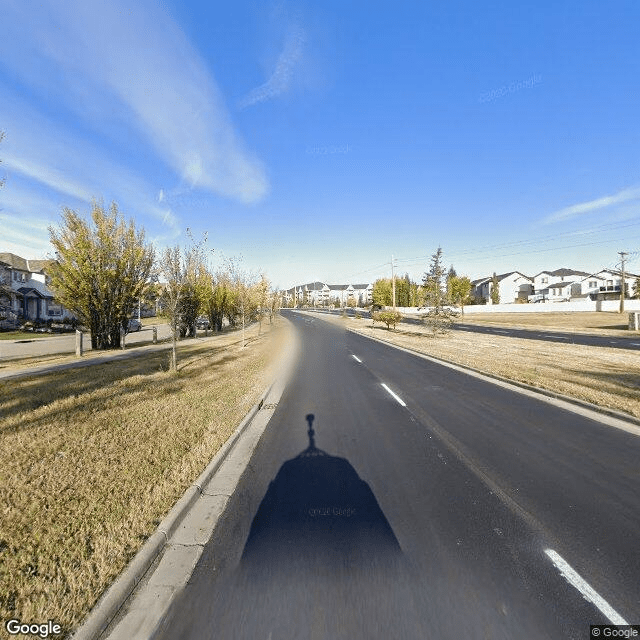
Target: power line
{"points": [[490, 248]]}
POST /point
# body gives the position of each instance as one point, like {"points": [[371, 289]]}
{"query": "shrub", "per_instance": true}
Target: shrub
{"points": [[388, 317]]}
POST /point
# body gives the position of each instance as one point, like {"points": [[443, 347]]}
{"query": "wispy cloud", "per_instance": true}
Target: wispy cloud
{"points": [[65, 170], [582, 208], [48, 176], [131, 60], [280, 79]]}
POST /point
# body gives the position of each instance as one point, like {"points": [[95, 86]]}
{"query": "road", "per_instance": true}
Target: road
{"points": [[437, 506], [631, 342], [34, 345]]}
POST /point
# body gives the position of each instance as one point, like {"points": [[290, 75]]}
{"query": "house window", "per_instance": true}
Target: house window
{"points": [[593, 284], [609, 283], [544, 280]]}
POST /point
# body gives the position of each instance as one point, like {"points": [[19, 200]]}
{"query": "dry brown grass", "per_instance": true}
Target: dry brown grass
{"points": [[92, 460], [601, 375], [595, 322]]}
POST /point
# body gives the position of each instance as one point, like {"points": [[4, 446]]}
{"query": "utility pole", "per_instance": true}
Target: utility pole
{"points": [[393, 284], [623, 255]]}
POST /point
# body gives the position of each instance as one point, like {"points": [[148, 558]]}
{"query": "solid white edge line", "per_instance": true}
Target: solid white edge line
{"points": [[567, 572], [393, 394], [355, 357]]}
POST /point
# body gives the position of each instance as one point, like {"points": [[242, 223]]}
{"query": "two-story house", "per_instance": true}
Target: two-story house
{"points": [[512, 287], [559, 284], [606, 284], [24, 291]]}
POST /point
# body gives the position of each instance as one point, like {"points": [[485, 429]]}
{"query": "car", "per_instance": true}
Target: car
{"points": [[134, 325], [203, 323]]}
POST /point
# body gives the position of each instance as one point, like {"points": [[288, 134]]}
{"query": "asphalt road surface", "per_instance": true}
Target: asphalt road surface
{"points": [[437, 506], [631, 342]]}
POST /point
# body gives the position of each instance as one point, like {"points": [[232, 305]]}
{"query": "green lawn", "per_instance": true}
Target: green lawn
{"points": [[26, 335]]}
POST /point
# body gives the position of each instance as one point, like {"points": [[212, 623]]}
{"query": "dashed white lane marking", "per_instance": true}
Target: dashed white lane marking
{"points": [[498, 331], [556, 337], [394, 395], [356, 358], [635, 344], [567, 572]]}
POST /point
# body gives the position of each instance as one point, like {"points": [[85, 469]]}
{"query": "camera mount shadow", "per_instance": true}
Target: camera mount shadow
{"points": [[318, 514]]}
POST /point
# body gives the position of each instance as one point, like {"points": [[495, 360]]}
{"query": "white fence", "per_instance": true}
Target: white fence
{"points": [[541, 307]]}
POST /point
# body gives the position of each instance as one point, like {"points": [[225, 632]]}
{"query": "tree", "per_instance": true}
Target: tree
{"points": [[381, 294], [495, 289], [262, 299], [636, 288], [242, 282], [439, 318], [275, 302], [174, 271], [217, 299], [451, 274], [433, 282], [460, 291], [101, 270]]}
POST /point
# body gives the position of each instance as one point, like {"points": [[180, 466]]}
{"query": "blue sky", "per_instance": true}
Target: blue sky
{"points": [[319, 139]]}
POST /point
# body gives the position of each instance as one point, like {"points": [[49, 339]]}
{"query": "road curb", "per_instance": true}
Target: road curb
{"points": [[612, 413], [113, 599]]}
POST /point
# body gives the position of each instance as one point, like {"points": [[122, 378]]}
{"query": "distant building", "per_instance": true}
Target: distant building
{"points": [[24, 292], [321, 294]]}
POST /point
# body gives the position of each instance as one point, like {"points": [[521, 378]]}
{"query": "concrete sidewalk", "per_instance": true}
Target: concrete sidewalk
{"points": [[8, 373]]}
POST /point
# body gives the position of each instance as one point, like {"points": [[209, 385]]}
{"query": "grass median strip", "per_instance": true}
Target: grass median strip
{"points": [[604, 376], [92, 459]]}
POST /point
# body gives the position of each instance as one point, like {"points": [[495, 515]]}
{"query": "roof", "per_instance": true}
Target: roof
{"points": [[39, 266], [564, 283], [313, 286], [562, 272], [568, 272], [22, 264], [500, 277], [27, 290], [14, 261]]}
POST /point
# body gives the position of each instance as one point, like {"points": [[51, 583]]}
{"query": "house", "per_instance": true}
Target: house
{"points": [[512, 286], [606, 284], [563, 291], [24, 294], [545, 285]]}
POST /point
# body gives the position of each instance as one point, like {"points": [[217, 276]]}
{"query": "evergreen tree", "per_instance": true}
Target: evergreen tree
{"points": [[438, 317], [433, 282], [495, 289]]}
